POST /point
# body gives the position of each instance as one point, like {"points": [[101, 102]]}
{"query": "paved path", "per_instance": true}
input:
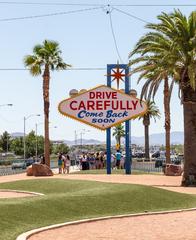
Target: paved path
{"points": [[10, 194], [175, 226]]}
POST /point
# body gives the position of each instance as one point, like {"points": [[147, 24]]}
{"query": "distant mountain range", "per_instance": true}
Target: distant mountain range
{"points": [[16, 134], [159, 139], [155, 139]]}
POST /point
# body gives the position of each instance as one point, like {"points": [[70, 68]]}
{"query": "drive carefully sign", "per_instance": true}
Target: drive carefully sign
{"points": [[102, 107]]}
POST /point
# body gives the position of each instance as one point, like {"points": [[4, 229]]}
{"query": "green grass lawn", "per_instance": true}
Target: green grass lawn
{"points": [[67, 200]]}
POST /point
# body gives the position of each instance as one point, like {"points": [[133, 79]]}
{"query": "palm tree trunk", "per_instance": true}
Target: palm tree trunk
{"points": [[189, 176], [167, 119], [119, 141], [46, 82], [146, 122]]}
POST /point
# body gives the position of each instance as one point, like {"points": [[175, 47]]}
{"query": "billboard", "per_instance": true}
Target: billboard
{"points": [[102, 107]]}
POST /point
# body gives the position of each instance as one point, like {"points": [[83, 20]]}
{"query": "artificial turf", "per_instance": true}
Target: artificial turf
{"points": [[67, 200]]}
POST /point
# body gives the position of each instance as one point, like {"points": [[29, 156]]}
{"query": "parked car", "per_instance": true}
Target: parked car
{"points": [[140, 155], [156, 154], [29, 162], [19, 164]]}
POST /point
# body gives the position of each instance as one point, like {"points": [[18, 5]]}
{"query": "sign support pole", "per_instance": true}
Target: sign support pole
{"points": [[127, 123], [127, 128], [108, 131]]}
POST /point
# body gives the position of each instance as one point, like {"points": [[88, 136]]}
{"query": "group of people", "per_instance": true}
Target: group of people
{"points": [[64, 163], [93, 161], [98, 160]]}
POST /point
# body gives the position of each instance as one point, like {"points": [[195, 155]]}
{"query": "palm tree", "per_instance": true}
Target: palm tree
{"points": [[48, 57], [152, 112], [172, 40], [118, 133], [155, 70]]}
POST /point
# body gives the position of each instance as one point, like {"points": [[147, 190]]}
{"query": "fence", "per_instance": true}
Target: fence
{"points": [[146, 166], [7, 170]]}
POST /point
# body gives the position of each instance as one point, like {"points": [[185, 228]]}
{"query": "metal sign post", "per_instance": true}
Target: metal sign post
{"points": [[108, 131], [104, 107], [128, 159], [119, 75]]}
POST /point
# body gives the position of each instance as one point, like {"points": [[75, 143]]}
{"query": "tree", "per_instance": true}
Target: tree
{"points": [[154, 72], [118, 133], [61, 148], [48, 56], [152, 112], [5, 141], [179, 55], [17, 146]]}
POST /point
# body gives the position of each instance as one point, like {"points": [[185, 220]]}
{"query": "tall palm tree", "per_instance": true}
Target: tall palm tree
{"points": [[152, 112], [173, 41], [46, 57], [154, 70], [118, 133]]}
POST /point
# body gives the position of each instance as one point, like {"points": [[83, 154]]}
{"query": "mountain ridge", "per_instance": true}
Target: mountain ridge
{"points": [[177, 137]]}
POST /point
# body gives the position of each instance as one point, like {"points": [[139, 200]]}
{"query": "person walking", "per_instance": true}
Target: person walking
{"points": [[68, 163], [83, 162], [118, 158], [92, 161], [63, 163], [97, 160], [60, 161], [101, 161], [112, 161]]}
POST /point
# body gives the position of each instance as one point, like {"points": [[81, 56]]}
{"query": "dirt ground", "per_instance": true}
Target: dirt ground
{"points": [[178, 226], [10, 194]]}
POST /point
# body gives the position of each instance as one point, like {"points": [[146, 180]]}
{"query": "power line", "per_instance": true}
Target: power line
{"points": [[113, 35], [130, 15], [89, 4], [154, 5], [69, 69], [48, 15], [52, 4]]}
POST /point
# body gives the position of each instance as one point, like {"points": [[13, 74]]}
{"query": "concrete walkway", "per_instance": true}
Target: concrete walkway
{"points": [[175, 226]]}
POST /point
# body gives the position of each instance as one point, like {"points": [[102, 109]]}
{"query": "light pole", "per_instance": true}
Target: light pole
{"points": [[7, 104], [24, 140], [83, 131], [76, 138]]}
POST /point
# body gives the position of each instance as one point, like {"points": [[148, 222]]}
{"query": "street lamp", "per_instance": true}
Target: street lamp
{"points": [[83, 131], [24, 142], [7, 104]]}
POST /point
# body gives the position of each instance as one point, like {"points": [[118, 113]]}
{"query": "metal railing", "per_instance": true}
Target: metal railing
{"points": [[146, 167], [7, 170]]}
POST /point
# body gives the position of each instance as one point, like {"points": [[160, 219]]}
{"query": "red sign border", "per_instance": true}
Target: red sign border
{"points": [[92, 125]]}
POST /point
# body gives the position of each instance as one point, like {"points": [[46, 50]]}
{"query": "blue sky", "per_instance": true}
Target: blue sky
{"points": [[86, 40]]}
